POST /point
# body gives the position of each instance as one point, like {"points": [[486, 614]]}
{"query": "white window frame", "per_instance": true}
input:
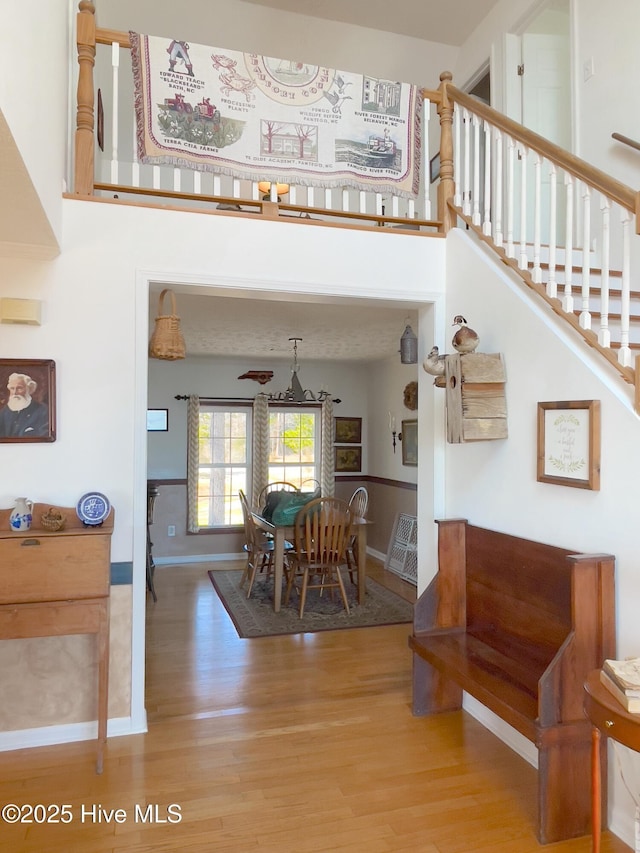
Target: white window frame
{"points": [[278, 470], [233, 510]]}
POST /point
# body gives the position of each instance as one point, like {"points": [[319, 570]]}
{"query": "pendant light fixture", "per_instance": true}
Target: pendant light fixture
{"points": [[295, 393]]}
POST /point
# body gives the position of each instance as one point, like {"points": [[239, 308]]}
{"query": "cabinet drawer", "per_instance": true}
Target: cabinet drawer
{"points": [[54, 568]]}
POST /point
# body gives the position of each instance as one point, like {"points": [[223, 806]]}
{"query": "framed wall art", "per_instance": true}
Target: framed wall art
{"points": [[348, 459], [569, 443], [157, 420], [27, 400], [348, 430], [409, 439]]}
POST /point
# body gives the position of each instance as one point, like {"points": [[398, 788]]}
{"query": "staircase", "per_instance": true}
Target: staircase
{"points": [[533, 203]]}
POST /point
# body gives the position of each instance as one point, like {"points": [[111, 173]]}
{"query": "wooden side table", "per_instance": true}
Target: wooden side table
{"points": [[608, 718], [53, 584]]}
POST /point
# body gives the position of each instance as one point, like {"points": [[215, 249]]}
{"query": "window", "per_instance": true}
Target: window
{"points": [[224, 439], [294, 445], [224, 458]]}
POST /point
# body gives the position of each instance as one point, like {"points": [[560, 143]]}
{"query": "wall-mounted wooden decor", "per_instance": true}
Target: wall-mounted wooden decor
{"points": [[475, 397]]}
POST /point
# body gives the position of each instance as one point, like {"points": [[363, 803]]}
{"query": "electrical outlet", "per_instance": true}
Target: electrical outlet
{"points": [[171, 530]]}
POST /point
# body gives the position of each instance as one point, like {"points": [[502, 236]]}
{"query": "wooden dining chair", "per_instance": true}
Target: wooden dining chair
{"points": [[278, 486], [358, 503], [321, 534], [259, 549]]}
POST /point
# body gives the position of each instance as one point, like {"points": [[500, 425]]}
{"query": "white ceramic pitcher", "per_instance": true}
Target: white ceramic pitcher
{"points": [[21, 516]]}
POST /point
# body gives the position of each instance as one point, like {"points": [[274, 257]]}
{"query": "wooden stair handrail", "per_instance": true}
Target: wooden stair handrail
{"points": [[613, 189], [627, 140]]}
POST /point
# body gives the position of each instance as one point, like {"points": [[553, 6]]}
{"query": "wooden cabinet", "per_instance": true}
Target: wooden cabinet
{"points": [[58, 583]]}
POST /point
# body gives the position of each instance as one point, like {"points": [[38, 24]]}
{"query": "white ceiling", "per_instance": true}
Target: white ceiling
{"points": [[337, 329], [445, 21]]}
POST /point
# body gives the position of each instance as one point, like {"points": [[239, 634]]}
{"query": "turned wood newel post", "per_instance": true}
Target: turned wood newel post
{"points": [[445, 187], [84, 145]]}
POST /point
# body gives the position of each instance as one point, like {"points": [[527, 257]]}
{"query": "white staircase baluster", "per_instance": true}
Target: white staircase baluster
{"points": [[604, 334], [552, 283], [217, 185], [624, 356], [511, 150], [536, 273], [426, 118], [363, 201], [499, 236], [457, 157], [395, 206], [293, 194], [523, 263], [567, 302], [197, 182], [328, 203], [486, 224], [466, 185], [379, 211], [310, 197], [236, 189], [345, 199], [411, 210], [476, 171], [585, 315], [156, 177], [115, 67], [176, 180]]}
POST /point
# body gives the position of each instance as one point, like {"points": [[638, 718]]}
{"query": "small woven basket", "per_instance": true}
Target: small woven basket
{"points": [[52, 520], [167, 341]]}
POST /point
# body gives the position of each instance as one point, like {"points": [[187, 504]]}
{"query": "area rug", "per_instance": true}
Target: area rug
{"points": [[255, 616]]}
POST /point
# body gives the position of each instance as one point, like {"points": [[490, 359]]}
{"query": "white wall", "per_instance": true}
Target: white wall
{"points": [[252, 27], [608, 102], [33, 94], [493, 483]]}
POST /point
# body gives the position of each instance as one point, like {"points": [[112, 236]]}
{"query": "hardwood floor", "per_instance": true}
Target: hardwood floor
{"points": [[293, 744]]}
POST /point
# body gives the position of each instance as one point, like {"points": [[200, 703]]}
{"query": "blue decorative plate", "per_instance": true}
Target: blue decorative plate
{"points": [[93, 508]]}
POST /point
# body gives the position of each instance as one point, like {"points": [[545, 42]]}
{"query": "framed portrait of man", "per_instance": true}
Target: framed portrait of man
{"points": [[27, 400]]}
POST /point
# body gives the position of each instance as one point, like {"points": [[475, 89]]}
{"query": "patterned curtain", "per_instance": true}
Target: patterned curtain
{"points": [[260, 446], [193, 458], [327, 471]]}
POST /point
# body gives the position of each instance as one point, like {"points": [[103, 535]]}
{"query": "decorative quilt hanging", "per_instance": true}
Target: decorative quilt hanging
{"points": [[259, 118]]}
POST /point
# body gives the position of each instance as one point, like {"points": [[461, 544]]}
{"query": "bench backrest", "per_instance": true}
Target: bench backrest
{"points": [[517, 591]]}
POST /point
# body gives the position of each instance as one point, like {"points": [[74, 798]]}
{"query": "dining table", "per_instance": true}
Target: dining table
{"points": [[282, 533]]}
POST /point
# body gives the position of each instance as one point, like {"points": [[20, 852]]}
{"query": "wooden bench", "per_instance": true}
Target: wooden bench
{"points": [[519, 625]]}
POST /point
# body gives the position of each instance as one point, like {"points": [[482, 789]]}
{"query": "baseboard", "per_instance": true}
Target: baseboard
{"points": [[377, 555], [178, 560], [507, 734], [69, 733]]}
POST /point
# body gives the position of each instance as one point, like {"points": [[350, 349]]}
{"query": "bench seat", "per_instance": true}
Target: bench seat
{"points": [[518, 625]]}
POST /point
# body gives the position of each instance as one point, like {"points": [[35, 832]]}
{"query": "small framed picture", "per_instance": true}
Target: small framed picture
{"points": [[157, 420], [27, 400], [409, 440], [348, 459], [569, 443], [348, 430]]}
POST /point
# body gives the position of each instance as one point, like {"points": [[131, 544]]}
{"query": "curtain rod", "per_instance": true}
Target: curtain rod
{"points": [[249, 400]]}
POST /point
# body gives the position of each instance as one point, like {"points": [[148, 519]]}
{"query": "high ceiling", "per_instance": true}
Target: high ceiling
{"points": [[450, 22]]}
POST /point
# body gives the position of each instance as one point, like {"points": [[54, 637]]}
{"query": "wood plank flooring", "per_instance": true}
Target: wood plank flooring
{"points": [[294, 744]]}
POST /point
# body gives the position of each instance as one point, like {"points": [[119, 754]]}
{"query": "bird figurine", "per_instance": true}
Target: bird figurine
{"points": [[434, 362], [261, 376], [465, 339]]}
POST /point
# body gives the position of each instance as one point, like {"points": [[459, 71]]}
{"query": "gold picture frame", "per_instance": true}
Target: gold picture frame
{"points": [[35, 420], [348, 430], [348, 460], [569, 443]]}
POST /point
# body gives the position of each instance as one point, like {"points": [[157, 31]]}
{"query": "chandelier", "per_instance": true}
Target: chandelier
{"points": [[295, 393]]}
